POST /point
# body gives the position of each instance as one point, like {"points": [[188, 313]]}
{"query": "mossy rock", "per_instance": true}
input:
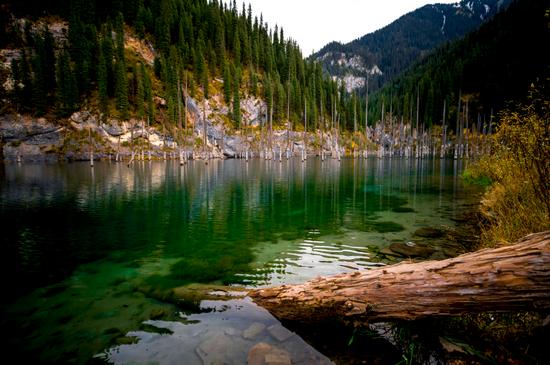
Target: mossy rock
{"points": [[146, 327], [197, 292], [127, 340], [387, 227], [429, 232]]}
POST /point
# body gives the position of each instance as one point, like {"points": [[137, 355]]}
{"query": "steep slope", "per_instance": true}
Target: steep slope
{"points": [[389, 51], [489, 67], [98, 78]]}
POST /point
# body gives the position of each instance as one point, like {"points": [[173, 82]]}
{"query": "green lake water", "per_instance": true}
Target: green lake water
{"points": [[89, 256]]}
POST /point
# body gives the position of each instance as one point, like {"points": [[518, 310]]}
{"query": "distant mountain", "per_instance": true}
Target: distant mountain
{"points": [[489, 67], [389, 51]]}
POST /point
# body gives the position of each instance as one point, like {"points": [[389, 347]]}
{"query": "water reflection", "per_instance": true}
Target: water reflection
{"points": [[95, 252]]}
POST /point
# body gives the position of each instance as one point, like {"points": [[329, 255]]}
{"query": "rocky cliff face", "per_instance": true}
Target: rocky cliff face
{"points": [[38, 139]]}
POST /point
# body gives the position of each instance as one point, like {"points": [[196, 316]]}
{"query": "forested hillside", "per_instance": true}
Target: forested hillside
{"points": [[60, 58], [141, 60], [489, 67], [388, 52]]}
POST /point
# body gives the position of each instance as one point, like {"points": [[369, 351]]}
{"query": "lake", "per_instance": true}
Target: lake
{"points": [[91, 256]]}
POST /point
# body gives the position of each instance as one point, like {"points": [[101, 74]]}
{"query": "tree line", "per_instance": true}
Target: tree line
{"points": [[488, 68], [196, 42]]}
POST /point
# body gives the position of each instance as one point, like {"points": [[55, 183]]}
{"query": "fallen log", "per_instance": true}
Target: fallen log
{"points": [[515, 277]]}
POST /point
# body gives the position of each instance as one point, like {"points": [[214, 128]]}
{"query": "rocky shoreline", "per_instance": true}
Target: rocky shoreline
{"points": [[30, 139]]}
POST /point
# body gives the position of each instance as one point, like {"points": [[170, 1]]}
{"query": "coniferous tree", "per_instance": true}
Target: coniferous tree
{"points": [[22, 80], [121, 89], [205, 85], [121, 79], [157, 67], [268, 93], [67, 89], [199, 67], [48, 59], [237, 48], [237, 99], [79, 50], [227, 89], [140, 91], [219, 42], [39, 94], [103, 82], [107, 47], [148, 93], [16, 76], [253, 82]]}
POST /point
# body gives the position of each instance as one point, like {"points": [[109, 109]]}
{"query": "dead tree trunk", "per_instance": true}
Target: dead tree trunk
{"points": [[509, 278]]}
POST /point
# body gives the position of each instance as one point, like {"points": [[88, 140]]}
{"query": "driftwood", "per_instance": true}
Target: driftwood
{"points": [[515, 277]]}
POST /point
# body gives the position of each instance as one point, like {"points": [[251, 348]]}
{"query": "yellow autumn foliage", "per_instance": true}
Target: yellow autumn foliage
{"points": [[518, 200]]}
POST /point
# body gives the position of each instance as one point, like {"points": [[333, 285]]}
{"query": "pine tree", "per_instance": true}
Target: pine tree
{"points": [[199, 66], [219, 42], [103, 83], [39, 94], [121, 79], [23, 81], [148, 93], [237, 47], [268, 92], [16, 76], [67, 89], [121, 90], [227, 83], [140, 91], [107, 48], [237, 99], [253, 82], [79, 51], [48, 60], [205, 86]]}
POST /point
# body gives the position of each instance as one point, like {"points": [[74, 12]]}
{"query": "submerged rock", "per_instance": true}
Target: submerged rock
{"points": [[386, 251], [429, 232], [214, 349], [411, 249], [253, 330], [279, 332], [265, 354]]}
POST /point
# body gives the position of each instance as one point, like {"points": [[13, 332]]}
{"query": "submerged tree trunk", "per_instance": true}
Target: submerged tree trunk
{"points": [[515, 277]]}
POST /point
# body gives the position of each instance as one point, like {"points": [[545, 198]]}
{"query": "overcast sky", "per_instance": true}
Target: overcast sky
{"points": [[314, 23]]}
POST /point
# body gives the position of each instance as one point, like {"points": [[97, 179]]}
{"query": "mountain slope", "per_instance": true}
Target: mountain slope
{"points": [[387, 52], [489, 67]]}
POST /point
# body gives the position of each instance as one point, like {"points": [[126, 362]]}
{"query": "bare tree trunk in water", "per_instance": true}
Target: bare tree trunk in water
{"points": [[91, 147], [117, 158]]}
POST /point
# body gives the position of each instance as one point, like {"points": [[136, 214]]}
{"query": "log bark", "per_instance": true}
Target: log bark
{"points": [[515, 277]]}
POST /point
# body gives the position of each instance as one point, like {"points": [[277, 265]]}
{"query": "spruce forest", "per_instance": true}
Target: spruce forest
{"points": [[200, 48], [195, 42]]}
